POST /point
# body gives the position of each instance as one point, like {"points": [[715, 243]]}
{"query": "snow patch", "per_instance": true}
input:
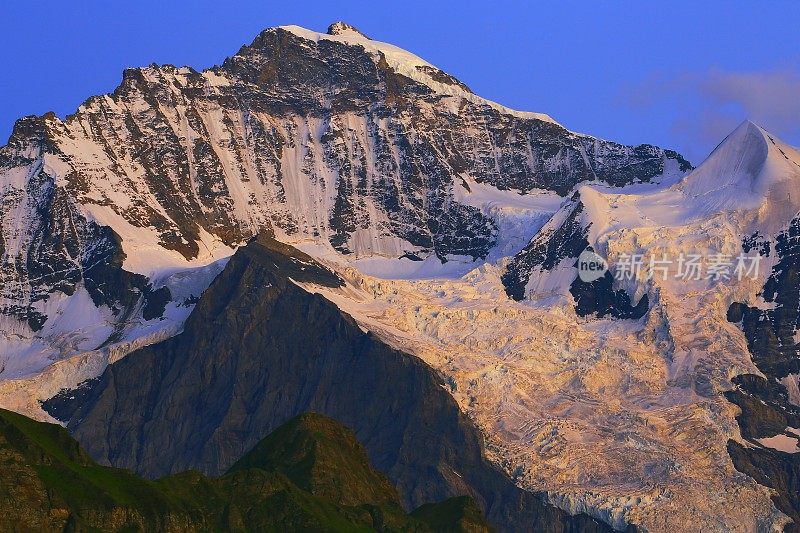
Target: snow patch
{"points": [[782, 443]]}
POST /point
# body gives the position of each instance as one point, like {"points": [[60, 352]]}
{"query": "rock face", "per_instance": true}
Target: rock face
{"points": [[562, 238], [770, 408], [256, 351], [336, 139], [60, 247]]}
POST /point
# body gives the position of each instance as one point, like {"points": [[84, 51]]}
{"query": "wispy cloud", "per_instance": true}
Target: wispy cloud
{"points": [[771, 98], [706, 106]]}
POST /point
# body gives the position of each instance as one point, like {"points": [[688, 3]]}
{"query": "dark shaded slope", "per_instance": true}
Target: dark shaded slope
{"points": [[321, 457], [256, 351], [48, 483]]}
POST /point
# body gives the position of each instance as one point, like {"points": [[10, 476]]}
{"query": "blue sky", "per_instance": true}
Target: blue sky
{"points": [[679, 75]]}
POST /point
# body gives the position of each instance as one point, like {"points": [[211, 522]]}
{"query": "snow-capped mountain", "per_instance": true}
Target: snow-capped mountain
{"points": [[332, 139], [455, 224]]}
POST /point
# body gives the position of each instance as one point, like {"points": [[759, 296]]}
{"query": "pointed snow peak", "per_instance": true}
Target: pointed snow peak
{"points": [[735, 162], [748, 127], [746, 123], [344, 29], [746, 132], [750, 169]]}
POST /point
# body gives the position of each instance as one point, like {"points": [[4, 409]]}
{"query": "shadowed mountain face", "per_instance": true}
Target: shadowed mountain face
{"points": [[310, 474], [258, 350]]}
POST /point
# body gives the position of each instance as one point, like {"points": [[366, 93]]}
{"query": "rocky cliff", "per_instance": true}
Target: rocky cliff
{"points": [[770, 403]]}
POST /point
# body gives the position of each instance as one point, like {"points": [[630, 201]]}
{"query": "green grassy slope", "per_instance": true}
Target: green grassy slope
{"points": [[310, 474]]}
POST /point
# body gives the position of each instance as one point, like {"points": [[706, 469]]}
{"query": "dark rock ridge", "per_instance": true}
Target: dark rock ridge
{"points": [[565, 237], [256, 351], [304, 138], [309, 475], [766, 407], [341, 27]]}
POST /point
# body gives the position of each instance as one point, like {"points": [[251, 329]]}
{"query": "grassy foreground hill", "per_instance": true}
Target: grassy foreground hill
{"points": [[308, 475]]}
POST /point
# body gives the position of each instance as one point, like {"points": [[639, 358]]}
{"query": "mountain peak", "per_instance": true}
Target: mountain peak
{"points": [[748, 125], [342, 28], [736, 161], [749, 167], [319, 453]]}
